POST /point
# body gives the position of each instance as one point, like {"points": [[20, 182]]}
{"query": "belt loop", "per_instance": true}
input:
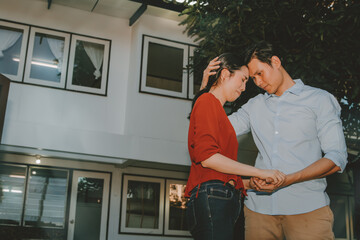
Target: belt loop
{"points": [[197, 192]]}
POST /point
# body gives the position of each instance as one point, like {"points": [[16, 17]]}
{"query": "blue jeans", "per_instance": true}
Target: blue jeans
{"points": [[212, 215]]}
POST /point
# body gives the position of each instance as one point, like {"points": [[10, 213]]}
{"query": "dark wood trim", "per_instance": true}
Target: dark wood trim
{"points": [[137, 14], [49, 4], [163, 4], [4, 93]]}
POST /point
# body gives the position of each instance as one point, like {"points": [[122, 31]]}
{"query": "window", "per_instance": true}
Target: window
{"points": [[88, 67], [46, 198], [142, 205], [13, 39], [12, 187], [175, 207], [145, 211], [165, 67], [47, 58], [343, 215], [47, 54]]}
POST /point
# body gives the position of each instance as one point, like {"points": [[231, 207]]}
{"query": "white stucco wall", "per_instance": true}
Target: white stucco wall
{"points": [[150, 115], [125, 123]]}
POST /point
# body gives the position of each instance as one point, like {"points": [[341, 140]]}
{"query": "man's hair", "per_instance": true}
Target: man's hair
{"points": [[263, 51]]}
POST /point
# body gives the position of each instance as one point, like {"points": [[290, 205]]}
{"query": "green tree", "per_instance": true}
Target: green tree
{"points": [[319, 42]]}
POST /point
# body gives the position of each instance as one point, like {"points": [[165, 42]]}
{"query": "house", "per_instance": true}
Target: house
{"points": [[94, 142]]}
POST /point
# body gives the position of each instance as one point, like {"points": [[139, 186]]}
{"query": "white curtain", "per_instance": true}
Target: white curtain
{"points": [[57, 49], [7, 39], [96, 55]]}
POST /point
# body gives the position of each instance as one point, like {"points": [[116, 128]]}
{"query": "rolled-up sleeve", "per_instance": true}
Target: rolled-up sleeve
{"points": [[330, 131], [206, 130]]}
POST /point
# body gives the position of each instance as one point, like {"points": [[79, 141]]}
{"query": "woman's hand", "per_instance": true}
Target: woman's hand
{"points": [[272, 176], [209, 70]]}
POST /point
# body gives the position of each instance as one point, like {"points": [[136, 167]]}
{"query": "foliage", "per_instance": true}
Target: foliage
{"points": [[318, 40]]}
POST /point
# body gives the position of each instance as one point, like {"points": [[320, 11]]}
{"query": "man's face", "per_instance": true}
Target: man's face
{"points": [[265, 76]]}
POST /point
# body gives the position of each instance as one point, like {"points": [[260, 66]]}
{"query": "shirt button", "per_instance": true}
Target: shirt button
{"points": [[276, 132]]}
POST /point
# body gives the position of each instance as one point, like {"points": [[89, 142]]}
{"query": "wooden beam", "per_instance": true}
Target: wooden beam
{"points": [[137, 14], [162, 4], [49, 3]]}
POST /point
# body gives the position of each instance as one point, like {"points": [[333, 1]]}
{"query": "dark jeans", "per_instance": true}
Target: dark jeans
{"points": [[212, 215]]}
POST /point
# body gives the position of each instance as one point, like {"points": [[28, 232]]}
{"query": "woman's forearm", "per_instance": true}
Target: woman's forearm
{"points": [[224, 164]]}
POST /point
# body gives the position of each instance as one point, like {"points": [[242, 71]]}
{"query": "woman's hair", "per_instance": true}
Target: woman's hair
{"points": [[229, 61]]}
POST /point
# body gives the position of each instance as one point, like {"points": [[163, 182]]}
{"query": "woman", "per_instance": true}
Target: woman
{"points": [[214, 185]]}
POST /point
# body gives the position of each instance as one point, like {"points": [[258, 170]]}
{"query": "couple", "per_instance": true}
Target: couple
{"points": [[298, 132]]}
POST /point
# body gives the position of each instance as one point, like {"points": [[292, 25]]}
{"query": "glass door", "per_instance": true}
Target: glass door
{"points": [[89, 206]]}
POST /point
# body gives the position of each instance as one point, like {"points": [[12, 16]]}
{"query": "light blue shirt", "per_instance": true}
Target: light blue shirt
{"points": [[291, 132]]}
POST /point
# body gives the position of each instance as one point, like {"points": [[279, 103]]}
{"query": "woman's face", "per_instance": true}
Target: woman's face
{"points": [[236, 83]]}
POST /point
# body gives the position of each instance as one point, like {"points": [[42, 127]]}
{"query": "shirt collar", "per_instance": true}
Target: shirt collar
{"points": [[295, 89]]}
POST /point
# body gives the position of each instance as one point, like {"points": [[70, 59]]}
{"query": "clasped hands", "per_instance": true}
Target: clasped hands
{"points": [[266, 185]]}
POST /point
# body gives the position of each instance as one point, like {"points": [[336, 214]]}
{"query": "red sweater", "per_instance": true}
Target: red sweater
{"points": [[210, 132]]}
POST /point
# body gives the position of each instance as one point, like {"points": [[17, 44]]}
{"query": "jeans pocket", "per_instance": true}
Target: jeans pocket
{"points": [[190, 215], [220, 193]]}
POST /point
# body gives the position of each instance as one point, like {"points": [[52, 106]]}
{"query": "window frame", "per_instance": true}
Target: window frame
{"points": [[24, 193], [351, 216], [105, 65], [167, 231], [25, 36], [146, 39], [345, 201], [191, 94], [150, 231], [28, 174], [27, 78]]}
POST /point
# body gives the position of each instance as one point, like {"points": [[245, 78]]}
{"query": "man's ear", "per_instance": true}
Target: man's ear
{"points": [[275, 61]]}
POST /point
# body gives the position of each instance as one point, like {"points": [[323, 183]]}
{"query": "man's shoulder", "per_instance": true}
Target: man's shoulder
{"points": [[320, 98], [258, 98], [315, 91]]}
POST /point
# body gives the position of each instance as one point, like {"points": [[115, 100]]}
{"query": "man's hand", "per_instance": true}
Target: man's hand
{"points": [[213, 65], [262, 185]]}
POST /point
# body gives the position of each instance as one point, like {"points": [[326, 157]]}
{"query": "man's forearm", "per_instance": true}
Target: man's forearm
{"points": [[319, 169]]}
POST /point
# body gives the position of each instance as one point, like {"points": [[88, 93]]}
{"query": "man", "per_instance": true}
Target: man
{"points": [[297, 130]]}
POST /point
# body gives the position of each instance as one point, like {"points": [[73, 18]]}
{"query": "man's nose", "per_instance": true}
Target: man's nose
{"points": [[257, 81]]}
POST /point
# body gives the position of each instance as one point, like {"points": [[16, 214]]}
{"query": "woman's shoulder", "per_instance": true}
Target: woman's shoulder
{"points": [[206, 98], [206, 102]]}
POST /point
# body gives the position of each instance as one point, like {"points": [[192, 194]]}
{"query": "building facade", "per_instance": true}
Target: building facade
{"points": [[94, 142]]}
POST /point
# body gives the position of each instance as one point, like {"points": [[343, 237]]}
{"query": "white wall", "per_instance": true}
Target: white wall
{"points": [[150, 115], [124, 124]]}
